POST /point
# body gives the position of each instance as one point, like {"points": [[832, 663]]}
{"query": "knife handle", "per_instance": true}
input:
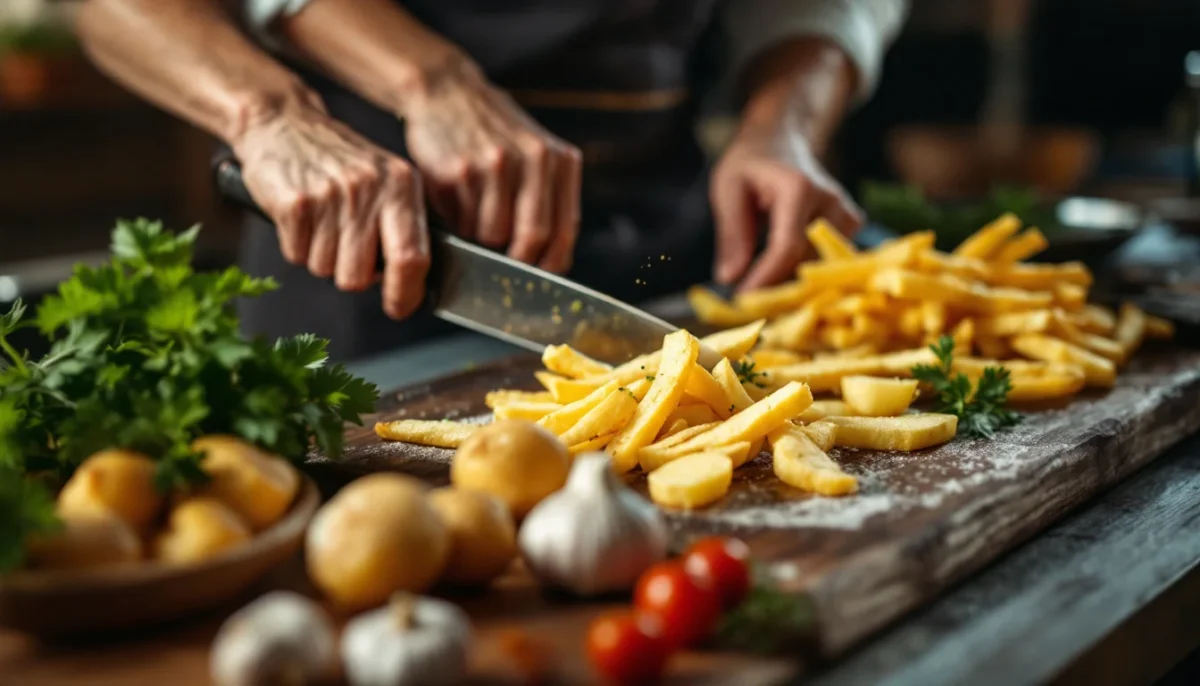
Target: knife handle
{"points": [[227, 174]]}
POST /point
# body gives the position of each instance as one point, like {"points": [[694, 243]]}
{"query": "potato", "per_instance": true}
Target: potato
{"points": [[823, 433], [692, 481], [799, 463], [198, 529], [909, 432], [377, 536], [86, 542], [483, 538], [257, 485], [821, 409], [875, 397], [518, 462], [116, 482]]}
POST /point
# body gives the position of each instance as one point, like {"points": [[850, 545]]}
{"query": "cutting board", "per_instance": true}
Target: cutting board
{"points": [[921, 521]]}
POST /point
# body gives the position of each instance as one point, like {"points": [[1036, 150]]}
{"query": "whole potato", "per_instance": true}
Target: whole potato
{"points": [[200, 528], [519, 462], [377, 536], [483, 537], [113, 482], [258, 486], [85, 542]]}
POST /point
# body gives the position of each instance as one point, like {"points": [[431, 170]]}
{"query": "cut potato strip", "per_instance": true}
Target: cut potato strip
{"points": [[735, 392], [821, 409], [878, 397], [563, 390], [608, 417], [774, 300], [1105, 347], [495, 399], [678, 355], [731, 343], [1159, 328], [592, 445], [1131, 329], [558, 422], [1022, 247], [822, 433], [984, 242], [1046, 386], [775, 357], [1099, 371], [795, 331], [565, 360], [439, 432], [1015, 323], [826, 375], [529, 411], [1070, 296], [908, 432], [1040, 277], [702, 386], [711, 308], [831, 245], [699, 413], [799, 463], [690, 482], [672, 429]]}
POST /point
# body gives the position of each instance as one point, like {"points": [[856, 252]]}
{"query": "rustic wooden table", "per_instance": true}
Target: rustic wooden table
{"points": [[1107, 595]]}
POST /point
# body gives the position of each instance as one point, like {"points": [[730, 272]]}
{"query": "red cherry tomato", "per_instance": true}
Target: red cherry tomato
{"points": [[724, 563], [689, 607], [627, 647]]}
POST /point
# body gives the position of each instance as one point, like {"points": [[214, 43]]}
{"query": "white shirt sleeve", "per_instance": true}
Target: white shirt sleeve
{"points": [[261, 15], [864, 29]]}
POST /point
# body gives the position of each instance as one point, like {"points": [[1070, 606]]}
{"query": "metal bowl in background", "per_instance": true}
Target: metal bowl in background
{"points": [[1091, 229]]}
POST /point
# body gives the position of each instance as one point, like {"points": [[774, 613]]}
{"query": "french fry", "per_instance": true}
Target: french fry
{"points": [[905, 247], [739, 453], [1040, 277], [700, 413], [1070, 296], [795, 331], [678, 355], [1046, 386], [823, 433], [933, 317], [984, 242], [563, 390], [608, 417], [589, 446], [852, 272], [752, 423], [1159, 328], [854, 352], [1022, 247], [774, 300], [872, 396], [1095, 319], [559, 421], [826, 375], [964, 334], [690, 482], [529, 411], [846, 307], [1099, 371], [735, 393], [1014, 323], [702, 386], [967, 268], [495, 399], [673, 428], [821, 409], [993, 346], [711, 308], [799, 463], [1131, 329], [766, 358], [830, 244], [565, 360], [1105, 347], [732, 343], [907, 432], [439, 433]]}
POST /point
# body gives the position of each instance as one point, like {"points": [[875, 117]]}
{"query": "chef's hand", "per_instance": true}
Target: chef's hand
{"points": [[494, 173], [336, 199], [769, 171]]}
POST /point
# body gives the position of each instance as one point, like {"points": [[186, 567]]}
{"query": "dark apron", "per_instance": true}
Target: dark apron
{"points": [[645, 228]]}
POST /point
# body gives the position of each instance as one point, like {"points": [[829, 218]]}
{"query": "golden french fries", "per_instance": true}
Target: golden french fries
{"points": [[907, 432], [690, 482], [798, 462], [565, 360], [495, 399], [873, 396], [439, 432], [521, 409]]}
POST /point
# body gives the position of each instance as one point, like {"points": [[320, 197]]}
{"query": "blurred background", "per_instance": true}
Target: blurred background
{"points": [[1051, 97]]}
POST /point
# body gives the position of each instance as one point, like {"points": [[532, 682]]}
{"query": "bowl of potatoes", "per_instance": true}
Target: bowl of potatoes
{"points": [[128, 554]]}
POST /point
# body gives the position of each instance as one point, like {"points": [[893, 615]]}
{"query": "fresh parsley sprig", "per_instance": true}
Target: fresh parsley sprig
{"points": [[26, 509], [746, 374], [767, 621], [981, 410]]}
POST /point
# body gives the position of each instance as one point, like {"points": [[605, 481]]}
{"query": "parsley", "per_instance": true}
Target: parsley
{"points": [[147, 355], [650, 377], [26, 508], [767, 621], [746, 374], [980, 410]]}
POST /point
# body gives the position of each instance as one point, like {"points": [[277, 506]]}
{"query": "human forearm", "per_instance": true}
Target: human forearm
{"points": [[376, 48], [188, 57]]}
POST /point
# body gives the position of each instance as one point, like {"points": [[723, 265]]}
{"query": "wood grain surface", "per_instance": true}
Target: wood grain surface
{"points": [[921, 521]]}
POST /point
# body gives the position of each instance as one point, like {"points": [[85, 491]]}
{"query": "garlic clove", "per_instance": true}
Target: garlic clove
{"points": [[594, 536], [413, 641], [281, 638]]}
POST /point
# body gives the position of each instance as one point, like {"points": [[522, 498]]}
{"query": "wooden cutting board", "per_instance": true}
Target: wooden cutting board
{"points": [[921, 521]]}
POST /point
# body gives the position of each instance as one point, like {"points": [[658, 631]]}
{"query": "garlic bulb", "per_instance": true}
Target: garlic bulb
{"points": [[595, 535], [281, 638], [413, 641]]}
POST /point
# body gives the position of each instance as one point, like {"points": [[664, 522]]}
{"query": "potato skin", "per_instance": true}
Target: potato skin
{"points": [[113, 482], [517, 461], [377, 536], [86, 542], [257, 485], [200, 528], [483, 536]]}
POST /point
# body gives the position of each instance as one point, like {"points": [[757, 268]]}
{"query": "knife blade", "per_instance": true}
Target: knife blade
{"points": [[509, 300]]}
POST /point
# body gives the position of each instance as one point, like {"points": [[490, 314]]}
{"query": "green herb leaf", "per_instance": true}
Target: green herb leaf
{"points": [[767, 621], [981, 409], [26, 508], [746, 374]]}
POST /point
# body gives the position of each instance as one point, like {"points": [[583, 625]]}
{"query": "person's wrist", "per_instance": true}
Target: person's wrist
{"points": [[253, 109], [439, 73]]}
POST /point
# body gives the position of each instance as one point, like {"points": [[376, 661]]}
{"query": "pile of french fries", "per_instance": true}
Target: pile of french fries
{"points": [[688, 428], [870, 313]]}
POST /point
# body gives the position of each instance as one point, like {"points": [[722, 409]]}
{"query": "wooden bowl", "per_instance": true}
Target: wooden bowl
{"points": [[75, 603]]}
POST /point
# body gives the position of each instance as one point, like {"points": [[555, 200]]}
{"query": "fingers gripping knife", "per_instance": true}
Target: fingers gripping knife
{"points": [[509, 300]]}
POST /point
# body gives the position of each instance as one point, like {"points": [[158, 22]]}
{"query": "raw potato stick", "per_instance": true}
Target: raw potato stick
{"points": [[440, 433], [607, 417], [799, 463], [558, 422]]}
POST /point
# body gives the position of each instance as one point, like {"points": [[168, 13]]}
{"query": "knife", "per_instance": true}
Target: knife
{"points": [[509, 300]]}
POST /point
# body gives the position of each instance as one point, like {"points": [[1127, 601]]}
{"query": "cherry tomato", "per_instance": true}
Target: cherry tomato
{"points": [[689, 607], [627, 647], [724, 563]]}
